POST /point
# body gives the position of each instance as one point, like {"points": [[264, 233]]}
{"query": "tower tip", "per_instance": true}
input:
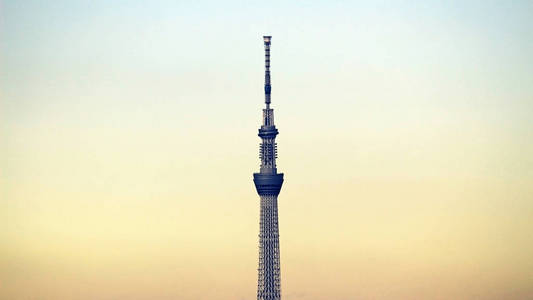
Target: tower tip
{"points": [[267, 38]]}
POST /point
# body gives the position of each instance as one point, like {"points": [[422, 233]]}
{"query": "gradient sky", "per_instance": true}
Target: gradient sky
{"points": [[128, 141]]}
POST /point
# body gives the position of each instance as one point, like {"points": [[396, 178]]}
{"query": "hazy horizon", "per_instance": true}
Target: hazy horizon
{"points": [[129, 137]]}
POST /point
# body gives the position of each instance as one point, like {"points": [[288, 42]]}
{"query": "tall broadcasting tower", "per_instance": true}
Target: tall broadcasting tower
{"points": [[268, 184]]}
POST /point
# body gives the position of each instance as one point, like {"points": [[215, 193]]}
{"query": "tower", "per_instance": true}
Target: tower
{"points": [[268, 184]]}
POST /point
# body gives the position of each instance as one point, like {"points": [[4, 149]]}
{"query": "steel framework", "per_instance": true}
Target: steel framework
{"points": [[268, 183]]}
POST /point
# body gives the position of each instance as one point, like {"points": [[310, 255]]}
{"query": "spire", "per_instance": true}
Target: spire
{"points": [[267, 39], [268, 113]]}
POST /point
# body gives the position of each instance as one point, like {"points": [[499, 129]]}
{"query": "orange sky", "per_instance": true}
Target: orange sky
{"points": [[129, 141]]}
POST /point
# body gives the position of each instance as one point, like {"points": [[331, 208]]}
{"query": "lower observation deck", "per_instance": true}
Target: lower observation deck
{"points": [[268, 184]]}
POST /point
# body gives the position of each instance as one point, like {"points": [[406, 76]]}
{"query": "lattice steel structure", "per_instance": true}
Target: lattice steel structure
{"points": [[268, 184]]}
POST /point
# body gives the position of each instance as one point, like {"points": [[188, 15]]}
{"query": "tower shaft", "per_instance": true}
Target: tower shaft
{"points": [[268, 183], [268, 282]]}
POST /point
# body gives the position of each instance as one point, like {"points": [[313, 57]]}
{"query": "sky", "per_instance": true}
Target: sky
{"points": [[128, 139]]}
